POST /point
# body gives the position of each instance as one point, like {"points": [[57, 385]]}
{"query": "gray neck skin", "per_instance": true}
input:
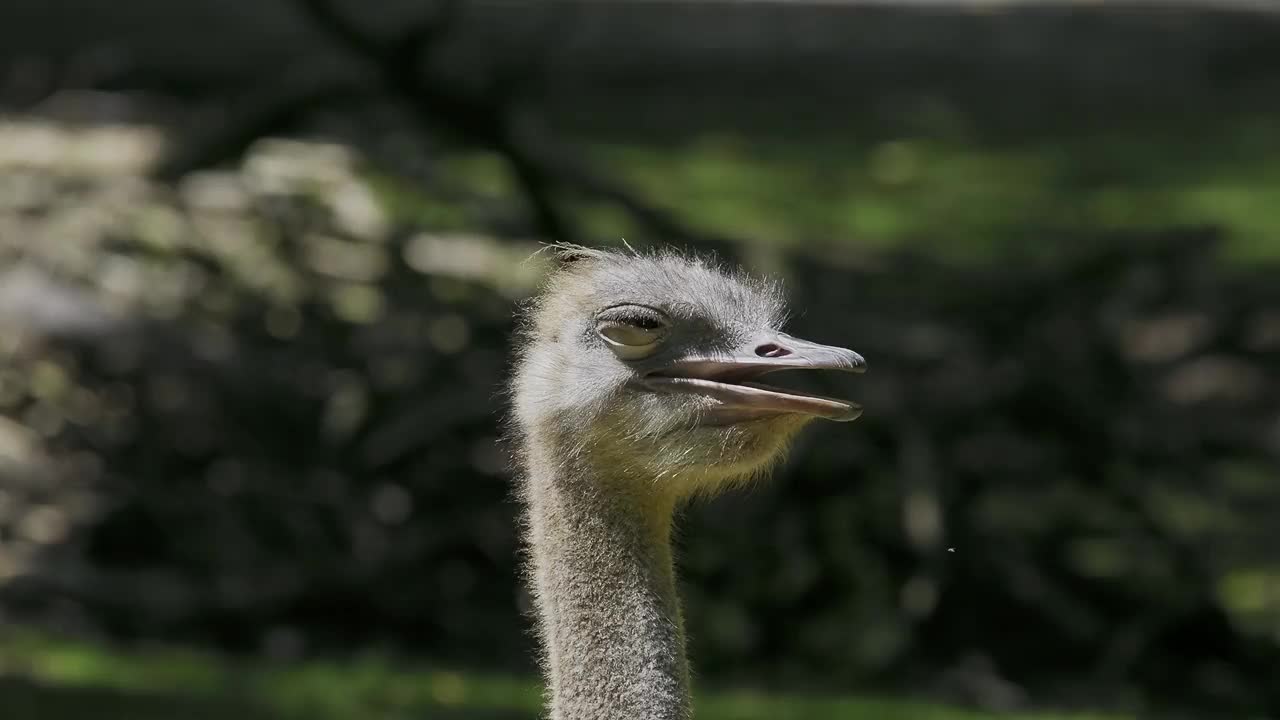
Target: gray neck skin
{"points": [[605, 589]]}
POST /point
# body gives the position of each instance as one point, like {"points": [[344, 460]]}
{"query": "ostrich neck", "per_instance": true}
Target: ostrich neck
{"points": [[605, 590]]}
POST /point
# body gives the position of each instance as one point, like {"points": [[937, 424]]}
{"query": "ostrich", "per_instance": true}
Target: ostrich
{"points": [[635, 389]]}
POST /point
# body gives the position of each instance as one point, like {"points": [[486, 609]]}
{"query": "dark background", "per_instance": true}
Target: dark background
{"points": [[258, 269]]}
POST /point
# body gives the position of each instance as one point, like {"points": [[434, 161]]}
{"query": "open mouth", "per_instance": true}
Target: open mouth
{"points": [[733, 382]]}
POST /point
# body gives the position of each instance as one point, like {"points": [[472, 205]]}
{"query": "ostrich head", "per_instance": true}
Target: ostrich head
{"points": [[651, 366]]}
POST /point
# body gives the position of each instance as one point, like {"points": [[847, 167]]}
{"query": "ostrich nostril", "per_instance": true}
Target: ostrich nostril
{"points": [[772, 350]]}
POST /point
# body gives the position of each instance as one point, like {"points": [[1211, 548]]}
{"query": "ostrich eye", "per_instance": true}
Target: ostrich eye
{"points": [[632, 331]]}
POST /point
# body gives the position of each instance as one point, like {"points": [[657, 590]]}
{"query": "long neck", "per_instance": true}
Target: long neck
{"points": [[605, 591]]}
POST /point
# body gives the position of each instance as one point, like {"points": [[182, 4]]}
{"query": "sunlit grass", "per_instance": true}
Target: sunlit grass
{"points": [[49, 678], [966, 199], [755, 706], [362, 687], [955, 196]]}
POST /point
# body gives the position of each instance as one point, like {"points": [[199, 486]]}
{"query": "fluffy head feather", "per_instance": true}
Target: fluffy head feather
{"points": [[571, 388]]}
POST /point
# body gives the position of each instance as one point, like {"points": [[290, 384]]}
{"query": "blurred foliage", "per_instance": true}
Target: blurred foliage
{"points": [[260, 410], [248, 354]]}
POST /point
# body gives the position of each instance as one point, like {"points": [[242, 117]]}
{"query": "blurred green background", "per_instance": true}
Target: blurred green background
{"points": [[258, 270]]}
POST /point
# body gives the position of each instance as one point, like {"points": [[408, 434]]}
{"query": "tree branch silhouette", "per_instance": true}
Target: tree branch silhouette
{"points": [[395, 67]]}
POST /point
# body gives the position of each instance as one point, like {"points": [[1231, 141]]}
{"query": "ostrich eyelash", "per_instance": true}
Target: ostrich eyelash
{"points": [[637, 316], [644, 322]]}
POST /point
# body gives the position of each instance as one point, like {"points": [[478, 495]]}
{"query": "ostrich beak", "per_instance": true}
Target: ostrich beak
{"points": [[731, 379]]}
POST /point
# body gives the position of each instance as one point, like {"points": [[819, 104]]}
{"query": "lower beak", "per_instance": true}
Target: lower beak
{"points": [[731, 379]]}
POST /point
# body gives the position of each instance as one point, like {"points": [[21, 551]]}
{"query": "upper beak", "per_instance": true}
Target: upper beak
{"points": [[729, 378]]}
